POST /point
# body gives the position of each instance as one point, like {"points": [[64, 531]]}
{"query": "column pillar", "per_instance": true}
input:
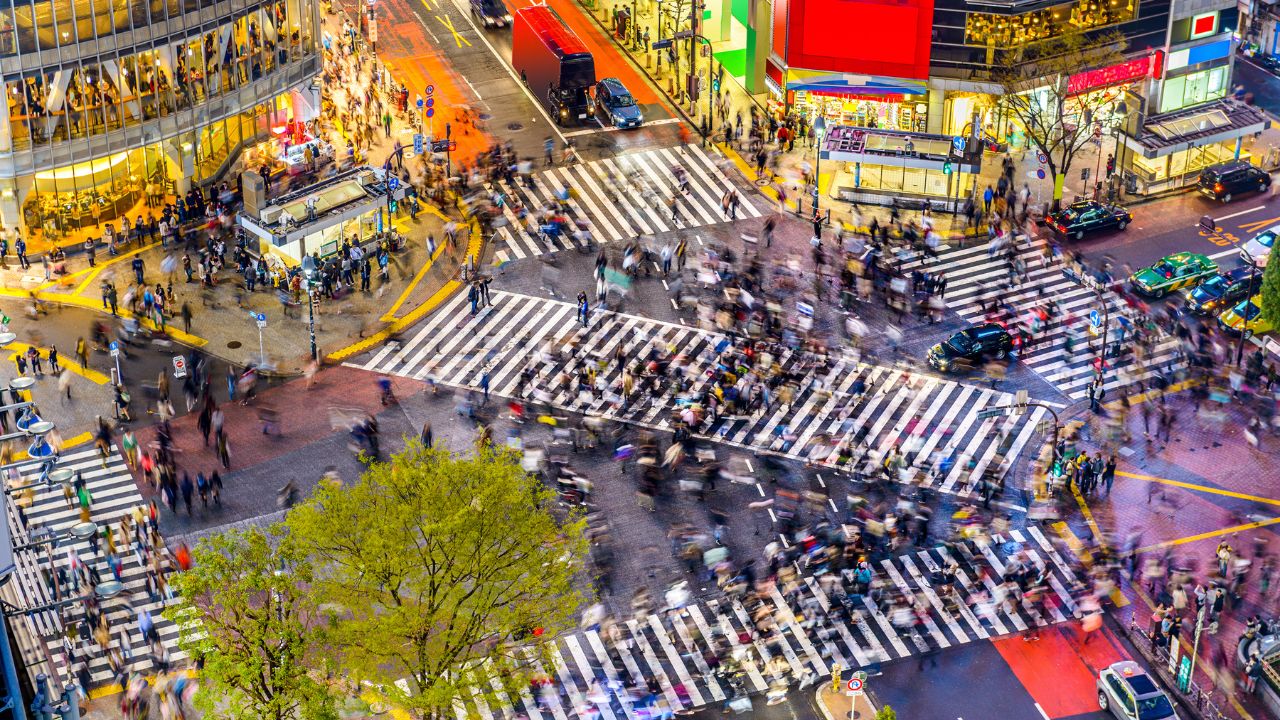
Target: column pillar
{"points": [[759, 33], [937, 111]]}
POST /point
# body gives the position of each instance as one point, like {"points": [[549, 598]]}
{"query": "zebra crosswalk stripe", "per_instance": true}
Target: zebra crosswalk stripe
{"points": [[615, 210], [822, 421]]}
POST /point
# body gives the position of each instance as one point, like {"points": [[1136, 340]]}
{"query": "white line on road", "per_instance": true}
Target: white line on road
{"points": [[1229, 251], [1043, 714], [614, 128], [1237, 214]]}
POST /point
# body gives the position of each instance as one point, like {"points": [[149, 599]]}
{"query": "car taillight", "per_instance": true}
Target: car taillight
{"points": [[1217, 187]]}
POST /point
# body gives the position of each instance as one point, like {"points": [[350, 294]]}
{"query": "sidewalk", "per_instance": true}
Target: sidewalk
{"points": [[842, 706]]}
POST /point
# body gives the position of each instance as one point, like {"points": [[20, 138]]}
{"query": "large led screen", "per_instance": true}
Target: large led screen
{"points": [[872, 37]]}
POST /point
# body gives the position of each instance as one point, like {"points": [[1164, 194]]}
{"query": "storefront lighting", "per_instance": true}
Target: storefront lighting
{"points": [[186, 147], [7, 193]]}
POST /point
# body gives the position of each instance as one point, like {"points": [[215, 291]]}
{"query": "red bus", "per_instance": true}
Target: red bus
{"points": [[553, 63]]}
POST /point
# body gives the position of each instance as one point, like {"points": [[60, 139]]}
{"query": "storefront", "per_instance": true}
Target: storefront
{"points": [[317, 218], [852, 100], [880, 167], [1170, 150]]}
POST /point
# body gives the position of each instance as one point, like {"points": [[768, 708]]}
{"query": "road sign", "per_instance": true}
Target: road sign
{"points": [[115, 348], [1040, 173], [393, 182], [855, 685], [1095, 318], [431, 112], [417, 143], [420, 102], [683, 34], [990, 413], [804, 309], [179, 366], [957, 142], [662, 44], [1020, 398], [431, 102], [1042, 158], [260, 319], [431, 90], [1184, 673]]}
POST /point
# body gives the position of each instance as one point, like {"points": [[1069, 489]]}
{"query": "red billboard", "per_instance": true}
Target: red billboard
{"points": [[871, 37]]}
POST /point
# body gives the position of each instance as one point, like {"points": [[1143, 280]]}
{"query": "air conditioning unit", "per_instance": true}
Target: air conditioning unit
{"points": [[271, 215]]}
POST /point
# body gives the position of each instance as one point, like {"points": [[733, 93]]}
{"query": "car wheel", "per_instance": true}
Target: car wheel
{"points": [[1262, 187], [1102, 700], [1079, 235], [1226, 198], [1122, 224]]}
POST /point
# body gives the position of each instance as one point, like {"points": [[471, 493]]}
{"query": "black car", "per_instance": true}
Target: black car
{"points": [[615, 102], [971, 347], [1087, 216], [1226, 180], [1219, 292], [493, 13]]}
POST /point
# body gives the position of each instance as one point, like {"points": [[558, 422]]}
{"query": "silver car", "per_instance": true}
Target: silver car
{"points": [[1130, 693]]}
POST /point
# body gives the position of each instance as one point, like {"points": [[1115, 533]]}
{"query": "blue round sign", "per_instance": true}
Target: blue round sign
{"points": [[431, 102], [431, 112], [1040, 173]]}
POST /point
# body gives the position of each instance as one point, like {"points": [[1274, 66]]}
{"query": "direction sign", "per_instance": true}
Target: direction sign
{"points": [[417, 143], [957, 142], [179, 367], [420, 102], [662, 44], [855, 684], [990, 413], [393, 182], [260, 318], [1095, 318], [115, 348]]}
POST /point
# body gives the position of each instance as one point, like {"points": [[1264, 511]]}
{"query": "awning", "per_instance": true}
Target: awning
{"points": [[1206, 124], [852, 84]]}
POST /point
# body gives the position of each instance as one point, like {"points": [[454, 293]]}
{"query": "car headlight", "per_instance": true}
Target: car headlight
{"points": [[506, 18]]}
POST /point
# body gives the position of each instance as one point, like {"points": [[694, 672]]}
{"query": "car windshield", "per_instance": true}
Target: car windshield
{"points": [[1266, 239], [1072, 214], [1247, 310], [1213, 286], [621, 101], [961, 343], [1164, 269], [1156, 707]]}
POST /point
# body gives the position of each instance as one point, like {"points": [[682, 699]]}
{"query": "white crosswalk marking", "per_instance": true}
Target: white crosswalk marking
{"points": [[114, 494], [620, 198], [974, 279], [672, 647], [825, 423]]}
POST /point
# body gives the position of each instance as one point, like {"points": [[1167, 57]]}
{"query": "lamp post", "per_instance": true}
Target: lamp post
{"points": [[819, 129], [308, 272], [1244, 332]]}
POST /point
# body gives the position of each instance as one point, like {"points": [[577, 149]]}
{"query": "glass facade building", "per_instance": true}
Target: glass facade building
{"points": [[113, 103]]}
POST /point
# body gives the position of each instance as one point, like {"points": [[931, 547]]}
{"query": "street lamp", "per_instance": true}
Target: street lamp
{"points": [[308, 272], [1244, 327], [819, 129]]}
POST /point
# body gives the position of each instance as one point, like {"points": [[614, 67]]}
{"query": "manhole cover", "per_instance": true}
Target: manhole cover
{"points": [[515, 126], [233, 344], [486, 116]]}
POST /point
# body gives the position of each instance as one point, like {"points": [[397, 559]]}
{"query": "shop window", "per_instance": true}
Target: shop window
{"points": [[1192, 89]]}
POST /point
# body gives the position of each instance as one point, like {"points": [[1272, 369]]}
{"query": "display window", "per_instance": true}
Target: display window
{"points": [[898, 114], [1193, 89]]}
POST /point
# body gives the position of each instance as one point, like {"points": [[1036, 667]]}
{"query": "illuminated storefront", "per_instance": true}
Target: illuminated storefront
{"points": [[880, 166], [88, 137], [1170, 150]]}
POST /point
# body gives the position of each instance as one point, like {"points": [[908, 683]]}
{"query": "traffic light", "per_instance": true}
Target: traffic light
{"points": [[715, 83], [394, 205], [946, 167]]}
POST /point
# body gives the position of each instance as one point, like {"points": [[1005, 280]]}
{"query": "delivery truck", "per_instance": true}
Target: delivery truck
{"points": [[554, 64]]}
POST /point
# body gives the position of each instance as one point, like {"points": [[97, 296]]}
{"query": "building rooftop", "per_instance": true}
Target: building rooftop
{"points": [[1202, 122]]}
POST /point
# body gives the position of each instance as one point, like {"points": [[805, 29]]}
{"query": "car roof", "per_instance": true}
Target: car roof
{"points": [[1238, 274], [1227, 166], [986, 329], [1184, 257], [615, 85]]}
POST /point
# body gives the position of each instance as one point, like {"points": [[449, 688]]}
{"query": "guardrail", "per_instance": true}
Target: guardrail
{"points": [[1196, 698]]}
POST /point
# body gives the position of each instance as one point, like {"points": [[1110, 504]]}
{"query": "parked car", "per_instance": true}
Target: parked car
{"points": [[1226, 180], [1258, 248], [1173, 272], [1220, 291], [971, 347], [1086, 216], [615, 102], [493, 13], [1129, 693]]}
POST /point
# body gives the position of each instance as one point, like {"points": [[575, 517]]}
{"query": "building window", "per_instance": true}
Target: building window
{"points": [[1194, 88]]}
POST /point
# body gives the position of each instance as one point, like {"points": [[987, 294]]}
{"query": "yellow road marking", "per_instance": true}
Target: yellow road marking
{"points": [[75, 367], [1258, 225], [1088, 516], [1200, 488], [1211, 534], [1086, 557], [473, 250], [413, 284], [1152, 394], [94, 272], [457, 38]]}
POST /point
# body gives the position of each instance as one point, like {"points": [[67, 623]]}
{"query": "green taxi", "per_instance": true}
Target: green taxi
{"points": [[1173, 272], [1245, 317]]}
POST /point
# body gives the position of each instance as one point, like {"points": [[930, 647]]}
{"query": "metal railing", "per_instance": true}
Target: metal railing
{"points": [[1203, 702]]}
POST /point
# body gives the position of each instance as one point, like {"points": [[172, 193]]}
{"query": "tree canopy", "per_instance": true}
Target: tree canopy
{"points": [[1034, 82], [441, 570], [245, 608], [1271, 293]]}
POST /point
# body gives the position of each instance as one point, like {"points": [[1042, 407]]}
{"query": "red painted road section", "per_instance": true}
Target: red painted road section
{"points": [[610, 62], [408, 52], [1057, 670]]}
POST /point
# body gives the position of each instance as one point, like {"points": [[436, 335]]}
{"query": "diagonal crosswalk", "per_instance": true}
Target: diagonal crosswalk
{"points": [[973, 279], [34, 584], [843, 411], [620, 198], [602, 671]]}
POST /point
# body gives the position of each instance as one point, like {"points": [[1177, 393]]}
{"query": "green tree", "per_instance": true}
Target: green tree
{"points": [[1033, 78], [442, 566], [886, 713], [1271, 293], [246, 608]]}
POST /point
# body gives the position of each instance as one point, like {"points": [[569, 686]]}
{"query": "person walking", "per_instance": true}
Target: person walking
{"points": [[1109, 473], [583, 307]]}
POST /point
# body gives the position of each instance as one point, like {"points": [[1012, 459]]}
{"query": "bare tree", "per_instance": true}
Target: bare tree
{"points": [[1056, 120]]}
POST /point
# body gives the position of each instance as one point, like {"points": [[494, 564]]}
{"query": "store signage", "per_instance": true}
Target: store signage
{"points": [[1204, 25], [1135, 69]]}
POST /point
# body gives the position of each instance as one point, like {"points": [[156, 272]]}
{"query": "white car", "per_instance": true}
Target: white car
{"points": [[1259, 247]]}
